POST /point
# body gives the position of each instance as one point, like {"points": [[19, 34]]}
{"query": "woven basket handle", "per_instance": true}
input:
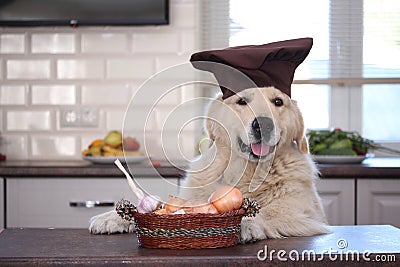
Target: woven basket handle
{"points": [[125, 209], [251, 207]]}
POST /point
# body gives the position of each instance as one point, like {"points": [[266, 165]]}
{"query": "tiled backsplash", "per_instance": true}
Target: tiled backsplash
{"points": [[44, 71]]}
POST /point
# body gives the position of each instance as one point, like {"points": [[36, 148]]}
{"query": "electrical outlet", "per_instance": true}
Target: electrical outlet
{"points": [[79, 117]]}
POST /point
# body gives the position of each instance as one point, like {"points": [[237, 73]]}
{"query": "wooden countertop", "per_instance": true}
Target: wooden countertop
{"points": [[370, 168], [380, 244]]}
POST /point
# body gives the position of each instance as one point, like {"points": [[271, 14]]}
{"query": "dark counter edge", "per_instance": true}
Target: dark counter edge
{"points": [[81, 169], [371, 168]]}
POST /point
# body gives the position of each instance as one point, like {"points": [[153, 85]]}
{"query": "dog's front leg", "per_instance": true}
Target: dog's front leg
{"points": [[109, 223], [251, 230], [263, 225]]}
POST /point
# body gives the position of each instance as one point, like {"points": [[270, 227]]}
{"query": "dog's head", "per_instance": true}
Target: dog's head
{"points": [[257, 122]]}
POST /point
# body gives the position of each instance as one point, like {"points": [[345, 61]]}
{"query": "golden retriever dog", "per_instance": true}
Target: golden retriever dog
{"points": [[259, 146]]}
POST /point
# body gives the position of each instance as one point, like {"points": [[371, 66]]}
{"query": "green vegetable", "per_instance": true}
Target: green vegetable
{"points": [[337, 152], [338, 142], [342, 144], [320, 147]]}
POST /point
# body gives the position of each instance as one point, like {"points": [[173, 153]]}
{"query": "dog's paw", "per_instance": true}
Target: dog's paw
{"points": [[251, 231], [109, 223]]}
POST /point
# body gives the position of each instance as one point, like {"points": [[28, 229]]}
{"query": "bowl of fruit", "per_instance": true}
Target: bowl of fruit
{"points": [[113, 146], [338, 146]]}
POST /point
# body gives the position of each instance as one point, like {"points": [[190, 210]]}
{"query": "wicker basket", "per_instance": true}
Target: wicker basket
{"points": [[186, 231], [183, 231]]}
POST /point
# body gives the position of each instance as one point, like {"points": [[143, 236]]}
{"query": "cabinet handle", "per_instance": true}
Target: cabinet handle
{"points": [[91, 204]]}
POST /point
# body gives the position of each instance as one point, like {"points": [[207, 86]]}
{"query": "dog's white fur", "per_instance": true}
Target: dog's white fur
{"points": [[281, 182]]}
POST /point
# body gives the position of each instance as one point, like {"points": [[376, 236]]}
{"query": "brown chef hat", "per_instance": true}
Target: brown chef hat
{"points": [[270, 64]]}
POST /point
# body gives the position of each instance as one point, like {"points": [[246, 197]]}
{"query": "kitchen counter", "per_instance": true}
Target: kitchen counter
{"points": [[81, 168], [370, 168], [349, 245]]}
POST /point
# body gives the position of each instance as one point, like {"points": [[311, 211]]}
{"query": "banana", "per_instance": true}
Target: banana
{"points": [[107, 148]]}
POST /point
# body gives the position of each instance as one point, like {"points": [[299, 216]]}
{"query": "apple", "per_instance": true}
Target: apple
{"points": [[131, 144], [113, 139]]}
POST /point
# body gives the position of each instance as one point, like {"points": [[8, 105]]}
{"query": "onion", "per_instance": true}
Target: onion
{"points": [[173, 204], [160, 211], [226, 198], [199, 206]]}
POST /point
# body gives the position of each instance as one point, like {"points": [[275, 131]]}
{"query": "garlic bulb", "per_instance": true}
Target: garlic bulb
{"points": [[146, 204], [149, 204]]}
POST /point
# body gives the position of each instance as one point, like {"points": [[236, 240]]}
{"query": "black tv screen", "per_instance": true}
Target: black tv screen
{"points": [[83, 12]]}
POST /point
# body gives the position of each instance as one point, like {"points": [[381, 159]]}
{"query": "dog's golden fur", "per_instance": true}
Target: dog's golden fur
{"points": [[282, 183]]}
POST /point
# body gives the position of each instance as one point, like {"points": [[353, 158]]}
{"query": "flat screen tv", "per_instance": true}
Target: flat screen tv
{"points": [[83, 12]]}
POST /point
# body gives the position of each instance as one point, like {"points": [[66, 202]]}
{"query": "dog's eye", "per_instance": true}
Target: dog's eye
{"points": [[241, 102], [278, 102]]}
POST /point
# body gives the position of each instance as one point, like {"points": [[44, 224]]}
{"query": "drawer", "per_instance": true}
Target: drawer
{"points": [[71, 202], [378, 201], [338, 200]]}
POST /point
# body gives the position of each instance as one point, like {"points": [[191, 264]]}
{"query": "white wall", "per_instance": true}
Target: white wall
{"points": [[45, 70]]}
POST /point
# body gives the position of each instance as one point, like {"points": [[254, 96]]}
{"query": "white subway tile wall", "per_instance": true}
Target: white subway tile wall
{"points": [[140, 68], [80, 69], [109, 94], [29, 120], [11, 43], [60, 146], [22, 69], [168, 42], [53, 43], [53, 94], [15, 146], [12, 95], [114, 43], [47, 70]]}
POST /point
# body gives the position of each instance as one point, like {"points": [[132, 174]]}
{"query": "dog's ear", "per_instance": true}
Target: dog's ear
{"points": [[210, 123], [303, 145], [299, 134]]}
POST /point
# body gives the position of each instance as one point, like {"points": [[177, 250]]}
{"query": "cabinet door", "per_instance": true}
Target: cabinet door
{"points": [[378, 201], [67, 203], [338, 197], [1, 203]]}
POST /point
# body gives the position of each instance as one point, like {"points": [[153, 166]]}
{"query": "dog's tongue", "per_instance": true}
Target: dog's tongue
{"points": [[260, 149]]}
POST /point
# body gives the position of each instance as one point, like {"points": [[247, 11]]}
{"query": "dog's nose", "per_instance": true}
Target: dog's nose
{"points": [[262, 127]]}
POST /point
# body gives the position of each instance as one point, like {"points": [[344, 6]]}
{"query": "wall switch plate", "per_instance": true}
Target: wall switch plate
{"points": [[79, 117]]}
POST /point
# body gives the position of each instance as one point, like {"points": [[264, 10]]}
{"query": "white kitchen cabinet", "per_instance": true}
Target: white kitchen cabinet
{"points": [[378, 201], [1, 203], [49, 202], [338, 199]]}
